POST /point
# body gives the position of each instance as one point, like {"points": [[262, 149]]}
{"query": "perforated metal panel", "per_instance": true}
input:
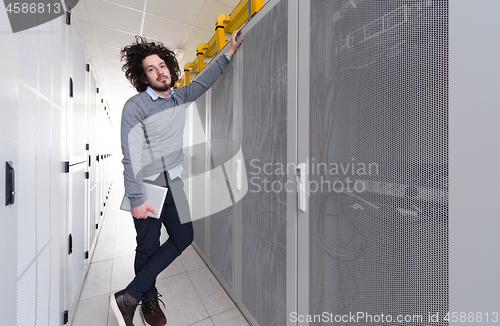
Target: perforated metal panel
{"points": [[264, 114], [221, 129], [198, 167], [379, 120]]}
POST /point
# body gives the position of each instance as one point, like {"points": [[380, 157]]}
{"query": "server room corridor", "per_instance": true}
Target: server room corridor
{"points": [[191, 294], [342, 169]]}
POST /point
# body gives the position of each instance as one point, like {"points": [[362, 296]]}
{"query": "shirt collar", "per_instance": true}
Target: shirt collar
{"points": [[155, 96]]}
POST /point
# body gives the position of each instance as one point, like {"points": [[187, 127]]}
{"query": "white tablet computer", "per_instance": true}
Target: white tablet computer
{"points": [[153, 194]]}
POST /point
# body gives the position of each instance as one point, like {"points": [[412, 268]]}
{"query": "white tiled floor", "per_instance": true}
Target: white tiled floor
{"points": [[191, 293]]}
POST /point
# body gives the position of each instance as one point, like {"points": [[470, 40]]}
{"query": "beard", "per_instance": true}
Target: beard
{"points": [[160, 86]]}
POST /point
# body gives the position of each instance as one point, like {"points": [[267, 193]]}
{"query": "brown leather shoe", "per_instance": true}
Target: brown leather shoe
{"points": [[152, 314], [122, 308]]}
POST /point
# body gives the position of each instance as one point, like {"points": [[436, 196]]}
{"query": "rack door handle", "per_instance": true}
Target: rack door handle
{"points": [[10, 183]]}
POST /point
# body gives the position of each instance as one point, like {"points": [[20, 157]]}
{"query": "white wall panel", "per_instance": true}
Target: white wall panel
{"points": [[77, 213], [43, 152], [8, 152], [28, 57], [56, 277], [57, 178], [474, 157], [26, 297], [45, 59], [77, 125], [26, 177], [57, 56], [43, 287]]}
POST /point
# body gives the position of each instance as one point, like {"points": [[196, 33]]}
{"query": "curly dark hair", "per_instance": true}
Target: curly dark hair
{"points": [[133, 55]]}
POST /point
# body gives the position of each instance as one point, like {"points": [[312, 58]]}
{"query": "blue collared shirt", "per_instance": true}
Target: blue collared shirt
{"points": [[155, 96]]}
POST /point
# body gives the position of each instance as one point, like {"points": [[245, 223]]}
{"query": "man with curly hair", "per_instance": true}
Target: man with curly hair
{"points": [[153, 70]]}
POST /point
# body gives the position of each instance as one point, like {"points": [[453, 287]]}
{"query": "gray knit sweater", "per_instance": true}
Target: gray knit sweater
{"points": [[162, 121]]}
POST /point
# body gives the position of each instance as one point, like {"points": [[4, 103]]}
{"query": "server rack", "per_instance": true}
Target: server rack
{"points": [[357, 95], [250, 118], [53, 123]]}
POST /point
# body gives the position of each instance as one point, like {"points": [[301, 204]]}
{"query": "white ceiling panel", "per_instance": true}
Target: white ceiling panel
{"points": [[96, 62], [208, 14], [80, 11], [230, 3], [111, 37], [87, 33], [109, 53], [181, 66], [197, 36], [100, 75], [114, 16], [112, 65], [165, 29], [182, 11], [171, 46], [115, 75], [93, 50], [189, 55], [136, 4]]}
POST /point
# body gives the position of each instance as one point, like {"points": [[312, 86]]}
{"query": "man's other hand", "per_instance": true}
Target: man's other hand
{"points": [[140, 212], [234, 44]]}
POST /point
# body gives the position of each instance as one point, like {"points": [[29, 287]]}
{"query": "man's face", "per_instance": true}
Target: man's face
{"points": [[157, 74]]}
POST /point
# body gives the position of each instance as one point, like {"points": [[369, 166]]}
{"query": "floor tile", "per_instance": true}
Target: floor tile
{"points": [[104, 250], [110, 218], [183, 305], [174, 268], [124, 245], [191, 260], [125, 225], [92, 311], [163, 235], [98, 280], [204, 322], [213, 296], [232, 317], [123, 272], [108, 231]]}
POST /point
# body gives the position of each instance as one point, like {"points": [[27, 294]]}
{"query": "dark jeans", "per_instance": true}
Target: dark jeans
{"points": [[151, 258]]}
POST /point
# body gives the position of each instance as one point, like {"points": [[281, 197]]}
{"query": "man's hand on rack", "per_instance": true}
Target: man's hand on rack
{"points": [[141, 212], [234, 43]]}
